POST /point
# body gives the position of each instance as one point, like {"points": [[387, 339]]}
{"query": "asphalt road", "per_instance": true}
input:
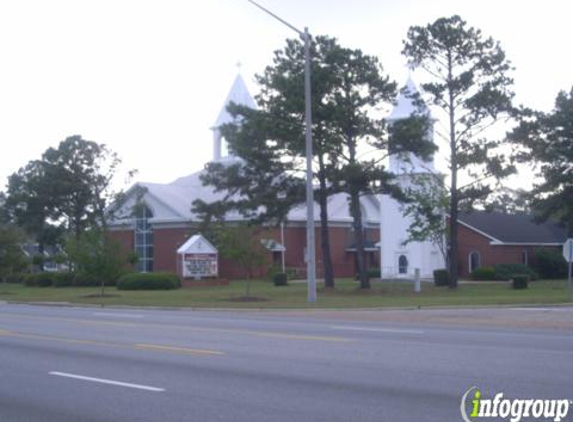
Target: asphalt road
{"points": [[87, 364]]}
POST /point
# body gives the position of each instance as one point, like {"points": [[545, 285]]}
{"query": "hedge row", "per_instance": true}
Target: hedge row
{"points": [[64, 279], [503, 272], [134, 281], [149, 281]]}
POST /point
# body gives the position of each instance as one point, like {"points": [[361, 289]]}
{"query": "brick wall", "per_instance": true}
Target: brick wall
{"points": [[490, 255]]}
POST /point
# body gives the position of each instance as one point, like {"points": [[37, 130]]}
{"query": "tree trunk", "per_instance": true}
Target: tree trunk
{"points": [[359, 237], [453, 242], [324, 232]]}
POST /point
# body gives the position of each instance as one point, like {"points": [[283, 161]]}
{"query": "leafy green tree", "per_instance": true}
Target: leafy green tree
{"points": [[427, 206], [95, 256], [469, 85], [12, 257], [30, 203], [80, 174], [240, 243], [546, 141], [68, 191]]}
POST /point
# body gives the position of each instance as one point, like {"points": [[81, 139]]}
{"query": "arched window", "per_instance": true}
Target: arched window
{"points": [[402, 264], [475, 261], [524, 257], [143, 240]]}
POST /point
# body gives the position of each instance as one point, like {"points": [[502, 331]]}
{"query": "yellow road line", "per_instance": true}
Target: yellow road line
{"points": [[59, 339], [175, 349], [270, 334], [138, 346]]}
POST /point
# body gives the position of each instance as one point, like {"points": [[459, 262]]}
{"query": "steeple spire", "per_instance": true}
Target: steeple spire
{"points": [[239, 94], [407, 105]]}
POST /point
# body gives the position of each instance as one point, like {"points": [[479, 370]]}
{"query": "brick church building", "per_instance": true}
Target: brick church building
{"points": [[155, 220]]}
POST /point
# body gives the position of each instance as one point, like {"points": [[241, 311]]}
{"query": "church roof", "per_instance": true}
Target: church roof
{"points": [[172, 203], [238, 94], [404, 106], [514, 228]]}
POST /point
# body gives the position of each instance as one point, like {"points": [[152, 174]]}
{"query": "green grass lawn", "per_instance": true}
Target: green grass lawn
{"points": [[346, 295]]}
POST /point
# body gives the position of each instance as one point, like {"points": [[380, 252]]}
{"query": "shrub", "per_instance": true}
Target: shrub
{"points": [[506, 272], [149, 281], [519, 281], [483, 273], [15, 278], [64, 279], [550, 263], [441, 277], [39, 280], [291, 274], [280, 279], [373, 272]]}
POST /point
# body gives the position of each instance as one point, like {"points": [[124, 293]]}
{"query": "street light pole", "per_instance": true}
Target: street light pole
{"points": [[310, 249]]}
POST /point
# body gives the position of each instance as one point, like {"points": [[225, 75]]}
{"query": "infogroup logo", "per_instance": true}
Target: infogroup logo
{"points": [[512, 409]]}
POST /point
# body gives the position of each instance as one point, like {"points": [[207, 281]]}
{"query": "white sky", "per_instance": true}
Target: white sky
{"points": [[148, 77]]}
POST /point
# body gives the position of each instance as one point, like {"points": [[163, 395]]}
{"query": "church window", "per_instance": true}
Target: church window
{"points": [[475, 261], [402, 264], [144, 240]]}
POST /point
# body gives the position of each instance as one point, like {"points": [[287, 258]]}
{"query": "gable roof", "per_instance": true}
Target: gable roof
{"points": [[197, 244], [514, 228]]}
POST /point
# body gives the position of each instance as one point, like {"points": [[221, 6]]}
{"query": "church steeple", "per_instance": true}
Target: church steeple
{"points": [[405, 107], [239, 94]]}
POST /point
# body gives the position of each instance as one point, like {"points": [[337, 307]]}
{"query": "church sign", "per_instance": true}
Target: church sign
{"points": [[198, 258], [200, 265]]}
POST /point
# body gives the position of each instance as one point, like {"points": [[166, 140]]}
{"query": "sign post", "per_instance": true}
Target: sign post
{"points": [[568, 255]]}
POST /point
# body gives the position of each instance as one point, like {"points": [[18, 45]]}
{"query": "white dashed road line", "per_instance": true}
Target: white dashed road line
{"points": [[106, 381]]}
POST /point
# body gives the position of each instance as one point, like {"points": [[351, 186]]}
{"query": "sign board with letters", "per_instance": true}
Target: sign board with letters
{"points": [[198, 258]]}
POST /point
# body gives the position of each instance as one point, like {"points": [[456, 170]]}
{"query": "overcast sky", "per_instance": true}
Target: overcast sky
{"points": [[148, 77]]}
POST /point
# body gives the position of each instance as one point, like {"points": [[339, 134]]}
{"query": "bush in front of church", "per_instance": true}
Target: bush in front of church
{"points": [[441, 277], [505, 272], [149, 281], [483, 274]]}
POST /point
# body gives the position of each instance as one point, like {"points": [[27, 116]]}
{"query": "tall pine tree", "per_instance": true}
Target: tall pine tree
{"points": [[471, 87]]}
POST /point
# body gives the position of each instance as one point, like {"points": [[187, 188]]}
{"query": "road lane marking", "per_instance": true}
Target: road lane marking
{"points": [[176, 349], [106, 381], [376, 330], [110, 314], [270, 334], [137, 346], [286, 336], [52, 338]]}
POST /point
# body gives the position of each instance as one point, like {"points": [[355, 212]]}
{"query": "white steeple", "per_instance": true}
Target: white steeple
{"points": [[239, 94], [405, 107]]}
